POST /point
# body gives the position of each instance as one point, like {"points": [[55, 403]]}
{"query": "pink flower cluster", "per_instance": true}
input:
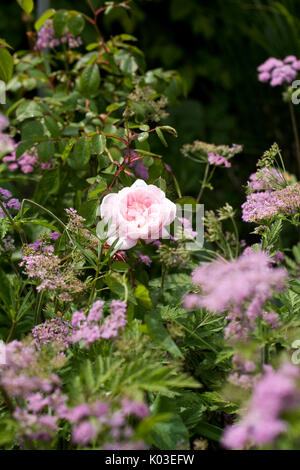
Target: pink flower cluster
{"points": [[279, 71], [216, 159], [145, 259], [48, 40], [266, 179], [90, 420], [55, 332], [243, 375], [25, 163], [88, 329], [40, 263], [240, 287], [75, 220], [275, 393], [267, 204], [36, 393], [41, 404]]}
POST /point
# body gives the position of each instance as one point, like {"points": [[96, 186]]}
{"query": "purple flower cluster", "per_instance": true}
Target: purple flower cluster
{"points": [[240, 287], [140, 169], [41, 403], [8, 244], [243, 375], [9, 203], [47, 40], [55, 332], [216, 159], [90, 420], [38, 394], [40, 262], [25, 163], [75, 220], [275, 393], [88, 329], [266, 179], [135, 161], [267, 204], [145, 259], [278, 71]]}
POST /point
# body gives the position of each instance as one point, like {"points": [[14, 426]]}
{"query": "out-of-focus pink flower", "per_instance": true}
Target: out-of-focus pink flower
{"points": [[278, 71], [216, 159]]}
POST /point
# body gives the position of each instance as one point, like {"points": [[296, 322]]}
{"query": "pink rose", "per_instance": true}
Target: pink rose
{"points": [[140, 211]]}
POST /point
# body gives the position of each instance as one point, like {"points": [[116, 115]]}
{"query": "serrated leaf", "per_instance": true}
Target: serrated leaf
{"points": [[23, 146], [46, 150], [98, 143], [143, 136], [120, 266], [32, 130], [126, 61], [101, 186], [28, 109], [80, 154], [90, 80], [60, 22], [67, 149], [76, 24], [52, 126], [160, 335]]}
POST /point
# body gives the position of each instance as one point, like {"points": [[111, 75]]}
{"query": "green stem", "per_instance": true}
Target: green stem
{"points": [[43, 209], [196, 336], [236, 236], [203, 182], [11, 331], [17, 229], [296, 135], [38, 307]]}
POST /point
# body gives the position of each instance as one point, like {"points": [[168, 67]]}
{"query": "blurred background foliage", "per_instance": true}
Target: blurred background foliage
{"points": [[216, 45]]}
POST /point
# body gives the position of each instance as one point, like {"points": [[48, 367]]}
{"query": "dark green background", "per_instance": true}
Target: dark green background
{"points": [[216, 45]]}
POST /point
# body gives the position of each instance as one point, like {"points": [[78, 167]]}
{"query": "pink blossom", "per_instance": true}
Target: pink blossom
{"points": [[278, 71], [140, 211], [216, 159], [273, 394]]}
